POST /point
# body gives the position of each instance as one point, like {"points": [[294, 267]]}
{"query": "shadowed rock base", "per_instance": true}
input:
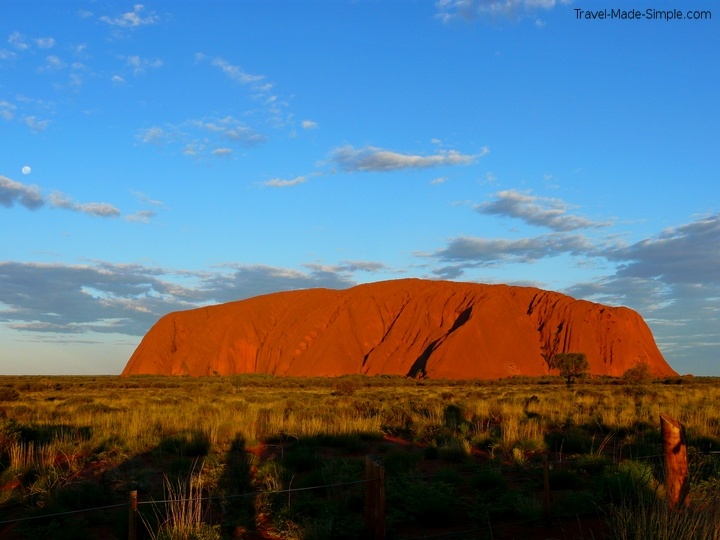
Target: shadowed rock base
{"points": [[420, 328]]}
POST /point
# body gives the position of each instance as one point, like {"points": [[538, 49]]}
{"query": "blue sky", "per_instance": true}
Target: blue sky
{"points": [[165, 155]]}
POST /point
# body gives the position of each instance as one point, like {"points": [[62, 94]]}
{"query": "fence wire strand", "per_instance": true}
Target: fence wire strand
{"points": [[518, 470]]}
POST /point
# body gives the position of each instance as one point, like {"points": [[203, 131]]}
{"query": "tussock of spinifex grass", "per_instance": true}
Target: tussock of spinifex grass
{"points": [[74, 442]]}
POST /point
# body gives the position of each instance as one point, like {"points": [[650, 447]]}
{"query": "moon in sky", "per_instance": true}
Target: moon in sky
{"points": [[26, 170]]}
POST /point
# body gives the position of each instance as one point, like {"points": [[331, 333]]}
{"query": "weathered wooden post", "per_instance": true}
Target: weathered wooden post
{"points": [[132, 516], [374, 500], [676, 465]]}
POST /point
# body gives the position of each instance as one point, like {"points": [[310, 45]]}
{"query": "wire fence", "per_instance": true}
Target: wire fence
{"points": [[524, 470]]}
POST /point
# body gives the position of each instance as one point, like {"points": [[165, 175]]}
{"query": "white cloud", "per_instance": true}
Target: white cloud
{"points": [[143, 216], [36, 125], [52, 63], [440, 180], [346, 267], [60, 200], [7, 55], [309, 124], [117, 79], [448, 10], [152, 135], [232, 129], [370, 158], [535, 210], [45, 43], [492, 251], [199, 138], [17, 40], [132, 19], [235, 72], [7, 110], [30, 197], [12, 192], [139, 65], [278, 182]]}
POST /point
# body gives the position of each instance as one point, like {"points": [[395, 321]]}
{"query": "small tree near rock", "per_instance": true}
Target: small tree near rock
{"points": [[638, 374], [572, 366]]}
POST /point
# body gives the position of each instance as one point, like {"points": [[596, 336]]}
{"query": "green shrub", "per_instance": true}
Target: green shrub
{"points": [[455, 450], [630, 480]]}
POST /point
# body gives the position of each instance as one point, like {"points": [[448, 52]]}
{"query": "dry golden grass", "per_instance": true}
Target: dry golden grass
{"points": [[60, 427]]}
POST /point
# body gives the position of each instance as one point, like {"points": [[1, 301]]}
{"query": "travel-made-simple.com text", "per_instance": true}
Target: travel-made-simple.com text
{"points": [[648, 14]]}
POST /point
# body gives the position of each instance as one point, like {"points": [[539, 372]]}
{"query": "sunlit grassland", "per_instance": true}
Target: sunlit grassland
{"points": [[74, 442]]}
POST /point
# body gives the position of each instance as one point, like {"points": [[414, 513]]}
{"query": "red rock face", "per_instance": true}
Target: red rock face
{"points": [[437, 329]]}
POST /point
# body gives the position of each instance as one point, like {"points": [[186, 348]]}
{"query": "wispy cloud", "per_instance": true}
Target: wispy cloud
{"points": [[140, 65], [348, 267], [7, 110], [18, 41], [153, 135], [132, 19], [492, 251], [207, 137], [52, 64], [45, 42], [7, 55], [31, 197], [371, 158], [259, 90], [222, 152], [36, 125], [144, 199], [232, 129], [447, 10], [60, 200], [237, 74], [143, 216], [546, 212], [12, 192], [309, 124], [280, 183]]}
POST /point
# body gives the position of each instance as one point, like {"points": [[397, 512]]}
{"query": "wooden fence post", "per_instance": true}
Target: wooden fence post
{"points": [[132, 516], [374, 500], [676, 466]]}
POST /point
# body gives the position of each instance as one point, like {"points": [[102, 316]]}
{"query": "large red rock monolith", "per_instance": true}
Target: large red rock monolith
{"points": [[414, 327]]}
